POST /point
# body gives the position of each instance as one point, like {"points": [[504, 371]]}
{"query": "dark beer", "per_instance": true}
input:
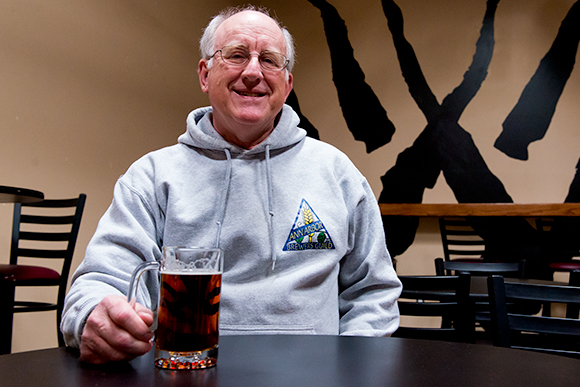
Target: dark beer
{"points": [[188, 312]]}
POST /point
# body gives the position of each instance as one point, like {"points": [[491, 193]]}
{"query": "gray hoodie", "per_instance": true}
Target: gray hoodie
{"points": [[299, 225]]}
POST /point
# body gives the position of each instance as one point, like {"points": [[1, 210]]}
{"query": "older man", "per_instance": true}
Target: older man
{"points": [[243, 177]]}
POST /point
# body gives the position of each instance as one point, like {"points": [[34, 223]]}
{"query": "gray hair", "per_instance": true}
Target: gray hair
{"points": [[207, 41]]}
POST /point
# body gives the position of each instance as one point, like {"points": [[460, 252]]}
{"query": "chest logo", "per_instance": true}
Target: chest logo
{"points": [[308, 232]]}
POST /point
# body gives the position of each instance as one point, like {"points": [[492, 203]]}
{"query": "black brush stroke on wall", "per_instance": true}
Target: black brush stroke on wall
{"points": [[530, 118], [443, 146], [562, 243], [305, 124], [362, 111], [529, 121]]}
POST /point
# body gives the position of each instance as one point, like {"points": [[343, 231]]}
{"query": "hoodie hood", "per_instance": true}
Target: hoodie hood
{"points": [[201, 134]]}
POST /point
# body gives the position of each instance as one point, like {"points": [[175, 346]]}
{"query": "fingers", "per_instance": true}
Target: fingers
{"points": [[129, 319], [96, 350], [145, 313], [115, 332]]}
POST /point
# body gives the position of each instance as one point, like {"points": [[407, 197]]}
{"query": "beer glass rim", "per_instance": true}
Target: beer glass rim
{"points": [[192, 248]]}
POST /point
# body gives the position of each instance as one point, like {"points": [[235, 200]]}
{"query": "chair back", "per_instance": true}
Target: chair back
{"points": [[47, 229], [460, 240], [533, 332], [436, 296]]}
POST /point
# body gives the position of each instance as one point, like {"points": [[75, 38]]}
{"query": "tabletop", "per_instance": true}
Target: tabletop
{"points": [[19, 195], [333, 361]]}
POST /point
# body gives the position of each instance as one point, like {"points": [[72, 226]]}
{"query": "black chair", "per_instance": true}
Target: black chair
{"points": [[533, 332], [47, 229], [436, 296], [460, 240], [485, 269], [572, 309]]}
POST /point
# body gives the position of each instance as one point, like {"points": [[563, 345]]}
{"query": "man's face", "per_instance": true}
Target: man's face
{"points": [[246, 99]]}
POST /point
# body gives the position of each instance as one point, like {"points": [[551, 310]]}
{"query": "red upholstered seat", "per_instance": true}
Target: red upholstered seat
{"points": [[565, 266], [22, 273]]}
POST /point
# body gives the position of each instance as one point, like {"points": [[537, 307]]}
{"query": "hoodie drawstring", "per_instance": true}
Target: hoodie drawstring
{"points": [[270, 207], [224, 198]]}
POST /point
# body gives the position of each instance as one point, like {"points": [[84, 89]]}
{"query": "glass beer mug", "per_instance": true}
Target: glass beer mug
{"points": [[187, 332]]}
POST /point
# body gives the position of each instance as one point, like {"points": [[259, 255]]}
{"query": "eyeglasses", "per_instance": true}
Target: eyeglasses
{"points": [[240, 56]]}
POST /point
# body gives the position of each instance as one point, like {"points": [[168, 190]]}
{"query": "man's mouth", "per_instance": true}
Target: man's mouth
{"points": [[249, 94]]}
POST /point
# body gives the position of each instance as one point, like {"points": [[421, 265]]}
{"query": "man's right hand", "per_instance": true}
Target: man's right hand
{"points": [[115, 331]]}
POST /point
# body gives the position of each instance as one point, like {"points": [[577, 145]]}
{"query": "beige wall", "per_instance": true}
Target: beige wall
{"points": [[86, 87]]}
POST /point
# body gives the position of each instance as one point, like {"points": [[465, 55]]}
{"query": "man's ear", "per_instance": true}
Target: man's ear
{"points": [[202, 72], [289, 84]]}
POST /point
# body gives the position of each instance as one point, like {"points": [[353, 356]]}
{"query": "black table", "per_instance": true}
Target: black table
{"points": [[302, 361], [19, 195]]}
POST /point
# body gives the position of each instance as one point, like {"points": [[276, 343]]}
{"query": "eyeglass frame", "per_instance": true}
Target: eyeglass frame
{"points": [[286, 60]]}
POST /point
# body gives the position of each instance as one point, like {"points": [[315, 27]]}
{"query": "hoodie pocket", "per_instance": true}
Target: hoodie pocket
{"points": [[226, 329]]}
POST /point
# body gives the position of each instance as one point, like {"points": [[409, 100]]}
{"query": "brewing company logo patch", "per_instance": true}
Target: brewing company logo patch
{"points": [[308, 232]]}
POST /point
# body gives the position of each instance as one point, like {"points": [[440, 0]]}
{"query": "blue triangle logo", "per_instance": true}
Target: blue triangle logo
{"points": [[308, 232]]}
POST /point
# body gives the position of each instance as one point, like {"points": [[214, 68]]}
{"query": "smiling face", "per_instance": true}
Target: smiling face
{"points": [[246, 99]]}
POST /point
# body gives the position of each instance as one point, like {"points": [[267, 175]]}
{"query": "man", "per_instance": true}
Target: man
{"points": [[299, 225]]}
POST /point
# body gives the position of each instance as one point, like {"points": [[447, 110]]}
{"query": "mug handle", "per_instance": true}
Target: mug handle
{"points": [[134, 284]]}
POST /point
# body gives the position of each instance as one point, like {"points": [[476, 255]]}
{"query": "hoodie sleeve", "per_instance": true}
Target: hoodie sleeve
{"points": [[368, 285], [125, 237]]}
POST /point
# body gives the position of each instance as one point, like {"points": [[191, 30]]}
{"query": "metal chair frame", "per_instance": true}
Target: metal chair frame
{"points": [[460, 240], [36, 245], [458, 323], [537, 333]]}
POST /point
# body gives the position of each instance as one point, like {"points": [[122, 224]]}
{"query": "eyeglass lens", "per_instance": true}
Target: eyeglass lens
{"points": [[239, 56]]}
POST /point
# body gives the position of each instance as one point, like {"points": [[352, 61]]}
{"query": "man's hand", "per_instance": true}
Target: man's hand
{"points": [[115, 331]]}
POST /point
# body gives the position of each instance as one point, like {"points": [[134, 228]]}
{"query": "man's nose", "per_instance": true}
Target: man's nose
{"points": [[253, 69]]}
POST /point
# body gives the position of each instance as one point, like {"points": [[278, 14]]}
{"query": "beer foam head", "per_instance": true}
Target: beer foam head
{"points": [[191, 259], [199, 265]]}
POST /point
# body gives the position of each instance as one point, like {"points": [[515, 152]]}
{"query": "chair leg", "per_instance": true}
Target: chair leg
{"points": [[572, 311], [6, 315], [547, 309], [59, 334]]}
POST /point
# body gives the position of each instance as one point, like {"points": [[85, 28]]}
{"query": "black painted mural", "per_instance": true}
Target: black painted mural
{"points": [[444, 146]]}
